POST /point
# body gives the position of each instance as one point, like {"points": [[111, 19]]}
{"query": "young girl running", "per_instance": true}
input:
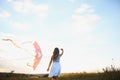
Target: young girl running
{"points": [[56, 67]]}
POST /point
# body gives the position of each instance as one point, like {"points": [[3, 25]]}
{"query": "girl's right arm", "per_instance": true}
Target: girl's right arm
{"points": [[49, 64]]}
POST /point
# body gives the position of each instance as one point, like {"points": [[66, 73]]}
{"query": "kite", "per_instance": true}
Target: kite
{"points": [[38, 55], [37, 49]]}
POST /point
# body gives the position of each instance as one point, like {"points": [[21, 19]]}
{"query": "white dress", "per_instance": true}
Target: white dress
{"points": [[55, 68]]}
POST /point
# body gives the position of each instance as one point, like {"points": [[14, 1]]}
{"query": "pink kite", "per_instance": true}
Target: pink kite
{"points": [[38, 51], [38, 55]]}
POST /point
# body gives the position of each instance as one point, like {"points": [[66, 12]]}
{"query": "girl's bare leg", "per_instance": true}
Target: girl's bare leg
{"points": [[52, 79], [56, 77]]}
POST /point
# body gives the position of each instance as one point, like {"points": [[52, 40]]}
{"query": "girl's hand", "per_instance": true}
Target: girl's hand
{"points": [[47, 69], [61, 52], [61, 49]]}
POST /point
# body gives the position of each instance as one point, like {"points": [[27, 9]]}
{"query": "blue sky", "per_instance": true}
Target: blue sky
{"points": [[88, 30]]}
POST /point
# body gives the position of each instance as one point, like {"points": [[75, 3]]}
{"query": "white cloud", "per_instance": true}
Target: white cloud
{"points": [[41, 10], [4, 14], [84, 20], [88, 20], [28, 7], [84, 8], [21, 26], [4, 35], [9, 0], [72, 1]]}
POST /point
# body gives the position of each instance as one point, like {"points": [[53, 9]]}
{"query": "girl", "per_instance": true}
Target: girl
{"points": [[56, 67]]}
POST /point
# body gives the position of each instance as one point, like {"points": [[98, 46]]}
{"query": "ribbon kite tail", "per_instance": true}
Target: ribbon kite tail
{"points": [[13, 42]]}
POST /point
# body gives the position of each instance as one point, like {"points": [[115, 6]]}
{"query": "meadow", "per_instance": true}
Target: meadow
{"points": [[109, 73]]}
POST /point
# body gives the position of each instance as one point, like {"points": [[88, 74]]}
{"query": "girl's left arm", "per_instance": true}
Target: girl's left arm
{"points": [[61, 52], [49, 64]]}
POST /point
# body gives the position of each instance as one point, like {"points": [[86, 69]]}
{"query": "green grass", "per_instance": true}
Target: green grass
{"points": [[108, 74], [70, 76]]}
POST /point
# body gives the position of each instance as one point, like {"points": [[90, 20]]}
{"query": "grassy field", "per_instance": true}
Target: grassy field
{"points": [[107, 74]]}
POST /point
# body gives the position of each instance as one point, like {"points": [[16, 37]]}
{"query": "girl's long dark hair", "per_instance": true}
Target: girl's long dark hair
{"points": [[55, 53]]}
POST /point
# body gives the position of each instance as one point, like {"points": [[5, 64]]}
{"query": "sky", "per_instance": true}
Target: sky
{"points": [[87, 30]]}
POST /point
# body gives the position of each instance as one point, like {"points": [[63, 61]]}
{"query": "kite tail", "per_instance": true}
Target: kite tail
{"points": [[16, 45], [13, 42]]}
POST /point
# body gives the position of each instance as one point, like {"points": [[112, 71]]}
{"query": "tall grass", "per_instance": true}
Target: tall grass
{"points": [[111, 73]]}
